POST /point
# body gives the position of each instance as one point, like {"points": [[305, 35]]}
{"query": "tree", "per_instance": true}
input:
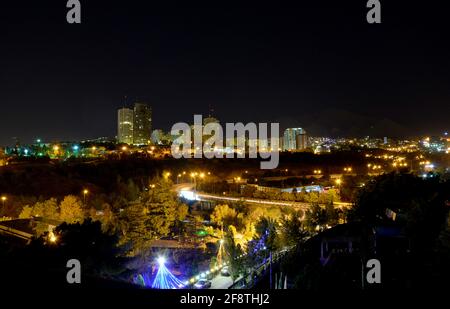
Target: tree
{"points": [[97, 251], [182, 212], [134, 232], [233, 251], [162, 206], [71, 210], [132, 191], [26, 212], [293, 231], [224, 216], [153, 217], [47, 209], [316, 218], [266, 229], [108, 219]]}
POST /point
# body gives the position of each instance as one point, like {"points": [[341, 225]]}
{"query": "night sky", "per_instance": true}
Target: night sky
{"points": [[314, 64]]}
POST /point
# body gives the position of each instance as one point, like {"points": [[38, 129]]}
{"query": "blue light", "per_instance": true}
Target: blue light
{"points": [[75, 148], [164, 278]]}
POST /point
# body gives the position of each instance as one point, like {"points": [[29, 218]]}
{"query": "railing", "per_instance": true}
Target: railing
{"points": [[248, 281], [16, 233]]}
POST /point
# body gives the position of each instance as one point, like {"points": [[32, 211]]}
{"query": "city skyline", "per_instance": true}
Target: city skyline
{"points": [[321, 67], [218, 152]]}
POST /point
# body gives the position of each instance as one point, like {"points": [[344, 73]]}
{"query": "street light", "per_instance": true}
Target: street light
{"points": [[4, 200], [85, 192]]}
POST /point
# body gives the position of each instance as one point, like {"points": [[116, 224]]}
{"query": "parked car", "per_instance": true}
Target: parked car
{"points": [[202, 284], [225, 271]]}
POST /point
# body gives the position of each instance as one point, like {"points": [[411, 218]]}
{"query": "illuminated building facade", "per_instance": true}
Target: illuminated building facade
{"points": [[142, 125], [294, 139], [125, 125]]}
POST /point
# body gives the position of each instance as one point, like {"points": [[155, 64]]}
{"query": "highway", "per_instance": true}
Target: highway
{"points": [[207, 197], [203, 196]]}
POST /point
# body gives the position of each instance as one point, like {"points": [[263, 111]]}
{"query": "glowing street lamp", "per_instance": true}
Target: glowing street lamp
{"points": [[85, 192], [3, 200]]}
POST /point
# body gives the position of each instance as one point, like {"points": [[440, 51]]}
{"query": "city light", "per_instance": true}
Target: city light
{"points": [[52, 237], [164, 279], [161, 261], [85, 192]]}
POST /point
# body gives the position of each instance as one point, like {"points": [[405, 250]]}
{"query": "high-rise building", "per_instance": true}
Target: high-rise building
{"points": [[142, 127], [301, 141], [125, 125], [294, 139]]}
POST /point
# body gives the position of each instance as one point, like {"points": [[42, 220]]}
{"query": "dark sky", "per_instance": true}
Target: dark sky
{"points": [[315, 64]]}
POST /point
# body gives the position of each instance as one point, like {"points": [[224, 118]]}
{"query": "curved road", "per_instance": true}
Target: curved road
{"points": [[206, 197]]}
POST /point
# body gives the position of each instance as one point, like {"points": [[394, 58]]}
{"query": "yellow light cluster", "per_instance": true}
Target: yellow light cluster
{"points": [[373, 166], [395, 164]]}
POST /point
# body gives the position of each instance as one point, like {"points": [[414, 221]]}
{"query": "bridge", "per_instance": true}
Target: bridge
{"points": [[187, 191]]}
